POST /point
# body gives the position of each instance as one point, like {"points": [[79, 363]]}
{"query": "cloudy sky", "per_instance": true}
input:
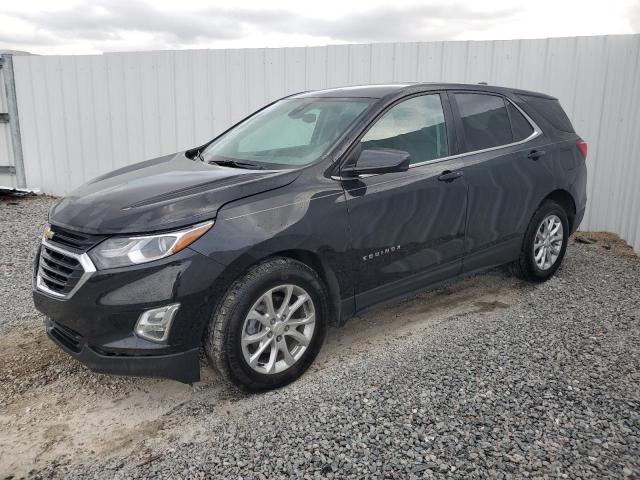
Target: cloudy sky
{"points": [[95, 26]]}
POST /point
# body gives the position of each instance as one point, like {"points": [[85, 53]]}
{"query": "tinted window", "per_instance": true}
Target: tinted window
{"points": [[551, 110], [416, 126], [484, 120], [520, 125]]}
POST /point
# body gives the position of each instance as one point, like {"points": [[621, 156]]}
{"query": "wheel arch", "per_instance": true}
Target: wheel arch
{"points": [[326, 274], [566, 201], [241, 265]]}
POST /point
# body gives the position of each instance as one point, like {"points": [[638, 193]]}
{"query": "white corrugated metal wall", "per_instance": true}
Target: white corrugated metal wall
{"points": [[81, 116], [6, 152]]}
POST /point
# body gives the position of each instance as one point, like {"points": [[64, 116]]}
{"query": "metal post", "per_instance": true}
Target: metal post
{"points": [[6, 62]]}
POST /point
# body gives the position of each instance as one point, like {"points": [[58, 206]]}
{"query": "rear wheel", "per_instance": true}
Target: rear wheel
{"points": [[544, 244], [270, 325]]}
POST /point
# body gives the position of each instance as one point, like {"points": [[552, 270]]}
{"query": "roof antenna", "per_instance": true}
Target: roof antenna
{"points": [[482, 83]]}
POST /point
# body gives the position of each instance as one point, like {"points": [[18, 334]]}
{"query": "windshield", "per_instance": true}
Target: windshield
{"points": [[288, 134]]}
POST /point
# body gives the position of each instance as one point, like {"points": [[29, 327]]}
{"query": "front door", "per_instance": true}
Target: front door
{"points": [[407, 228]]}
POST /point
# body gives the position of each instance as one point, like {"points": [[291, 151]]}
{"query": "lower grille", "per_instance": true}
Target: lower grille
{"points": [[60, 273], [67, 337]]}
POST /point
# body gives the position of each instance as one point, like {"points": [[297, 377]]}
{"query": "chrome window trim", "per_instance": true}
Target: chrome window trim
{"points": [[85, 262], [536, 133]]}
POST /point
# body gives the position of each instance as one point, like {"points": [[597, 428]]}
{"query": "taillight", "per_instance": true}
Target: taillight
{"points": [[582, 146]]}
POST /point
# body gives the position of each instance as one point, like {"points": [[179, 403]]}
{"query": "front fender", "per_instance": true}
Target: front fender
{"points": [[308, 220]]}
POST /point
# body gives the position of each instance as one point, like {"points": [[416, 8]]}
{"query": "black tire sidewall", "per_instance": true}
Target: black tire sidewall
{"points": [[247, 294], [547, 208]]}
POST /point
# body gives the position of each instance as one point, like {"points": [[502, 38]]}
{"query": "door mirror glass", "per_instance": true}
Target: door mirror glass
{"points": [[378, 160]]}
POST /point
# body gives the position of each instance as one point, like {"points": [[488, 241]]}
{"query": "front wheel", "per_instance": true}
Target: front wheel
{"points": [[270, 325], [544, 244]]}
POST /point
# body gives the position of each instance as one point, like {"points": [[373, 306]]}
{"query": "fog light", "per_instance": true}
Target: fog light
{"points": [[154, 324]]}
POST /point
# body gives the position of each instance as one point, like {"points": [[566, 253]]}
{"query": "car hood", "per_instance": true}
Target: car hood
{"points": [[159, 194]]}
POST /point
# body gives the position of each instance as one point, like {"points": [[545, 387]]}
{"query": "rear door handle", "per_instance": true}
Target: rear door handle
{"points": [[536, 154], [450, 176]]}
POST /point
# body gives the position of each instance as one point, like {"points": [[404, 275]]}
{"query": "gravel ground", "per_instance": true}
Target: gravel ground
{"points": [[21, 220], [489, 377]]}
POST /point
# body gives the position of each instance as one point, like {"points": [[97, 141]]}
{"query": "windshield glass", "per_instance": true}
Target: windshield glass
{"points": [[288, 134]]}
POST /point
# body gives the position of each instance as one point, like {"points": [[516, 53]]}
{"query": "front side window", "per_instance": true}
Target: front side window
{"points": [[416, 126], [485, 120], [288, 134]]}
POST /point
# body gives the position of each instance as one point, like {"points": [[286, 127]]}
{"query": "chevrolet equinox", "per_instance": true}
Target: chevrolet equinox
{"points": [[310, 210]]}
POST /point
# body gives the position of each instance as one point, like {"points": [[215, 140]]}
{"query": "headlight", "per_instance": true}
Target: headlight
{"points": [[122, 251]]}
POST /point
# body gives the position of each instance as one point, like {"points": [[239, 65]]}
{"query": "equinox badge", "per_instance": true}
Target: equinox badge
{"points": [[379, 253]]}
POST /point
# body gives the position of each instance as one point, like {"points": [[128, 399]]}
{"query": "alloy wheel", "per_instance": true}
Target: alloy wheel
{"points": [[548, 242], [278, 329]]}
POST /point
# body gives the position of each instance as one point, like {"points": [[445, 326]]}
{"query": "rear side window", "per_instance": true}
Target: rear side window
{"points": [[520, 125], [485, 120], [550, 109], [416, 126]]}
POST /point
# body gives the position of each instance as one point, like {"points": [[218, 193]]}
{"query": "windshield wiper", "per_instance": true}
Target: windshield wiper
{"points": [[237, 164]]}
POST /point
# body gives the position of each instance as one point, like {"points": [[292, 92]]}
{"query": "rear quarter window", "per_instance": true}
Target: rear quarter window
{"points": [[520, 125], [551, 110]]}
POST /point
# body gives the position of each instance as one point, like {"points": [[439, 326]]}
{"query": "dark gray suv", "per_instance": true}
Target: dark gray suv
{"points": [[312, 209]]}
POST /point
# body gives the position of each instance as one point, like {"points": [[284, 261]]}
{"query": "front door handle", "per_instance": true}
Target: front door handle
{"points": [[450, 176], [536, 154]]}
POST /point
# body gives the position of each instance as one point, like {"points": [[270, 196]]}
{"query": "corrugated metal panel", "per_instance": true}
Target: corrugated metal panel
{"points": [[6, 152], [85, 115]]}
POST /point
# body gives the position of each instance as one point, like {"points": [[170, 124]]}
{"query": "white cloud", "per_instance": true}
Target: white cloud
{"points": [[85, 26]]}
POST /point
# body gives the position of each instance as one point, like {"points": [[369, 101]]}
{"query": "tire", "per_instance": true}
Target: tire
{"points": [[526, 266], [227, 345]]}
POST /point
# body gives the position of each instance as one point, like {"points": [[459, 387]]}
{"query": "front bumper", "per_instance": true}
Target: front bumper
{"points": [[96, 324], [183, 366]]}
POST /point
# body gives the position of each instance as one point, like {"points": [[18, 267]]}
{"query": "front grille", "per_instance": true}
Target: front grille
{"points": [[67, 337], [78, 242], [57, 271], [60, 272]]}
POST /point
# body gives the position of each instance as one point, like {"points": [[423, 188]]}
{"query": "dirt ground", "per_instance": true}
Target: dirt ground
{"points": [[54, 411], [58, 411], [609, 241]]}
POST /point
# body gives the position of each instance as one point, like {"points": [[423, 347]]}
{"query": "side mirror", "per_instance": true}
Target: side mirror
{"points": [[378, 160]]}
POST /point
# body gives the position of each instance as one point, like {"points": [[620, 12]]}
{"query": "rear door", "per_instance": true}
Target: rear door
{"points": [[407, 228], [503, 174]]}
